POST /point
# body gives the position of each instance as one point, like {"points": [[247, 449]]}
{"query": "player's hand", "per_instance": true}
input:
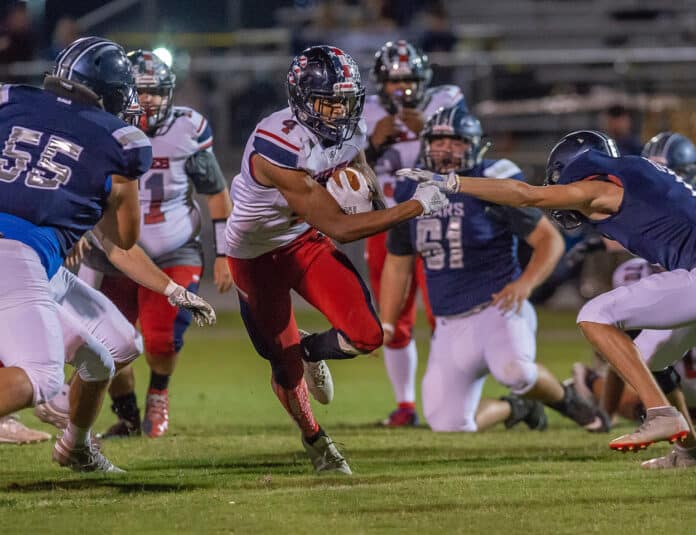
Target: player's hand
{"points": [[413, 119], [512, 296], [203, 314], [430, 197], [448, 183], [385, 129], [221, 275], [79, 251]]}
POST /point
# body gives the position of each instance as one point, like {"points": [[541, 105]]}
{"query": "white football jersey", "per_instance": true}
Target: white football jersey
{"points": [[261, 219], [169, 216], [405, 151]]}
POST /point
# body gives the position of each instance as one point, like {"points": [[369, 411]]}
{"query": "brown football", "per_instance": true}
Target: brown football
{"points": [[352, 174]]}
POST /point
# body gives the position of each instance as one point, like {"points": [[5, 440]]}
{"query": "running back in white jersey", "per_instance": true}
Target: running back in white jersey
{"points": [[261, 219], [169, 216], [405, 151]]}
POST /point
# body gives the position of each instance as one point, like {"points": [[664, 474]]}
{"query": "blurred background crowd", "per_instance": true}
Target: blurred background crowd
{"points": [[531, 70]]}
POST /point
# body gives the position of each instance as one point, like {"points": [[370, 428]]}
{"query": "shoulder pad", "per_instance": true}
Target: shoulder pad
{"points": [[278, 138], [130, 137], [197, 126], [502, 169]]}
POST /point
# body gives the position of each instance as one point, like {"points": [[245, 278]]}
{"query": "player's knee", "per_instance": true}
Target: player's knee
{"points": [[126, 349], [161, 344], [365, 340], [46, 380], [93, 363], [518, 375], [445, 421], [287, 373], [598, 310]]}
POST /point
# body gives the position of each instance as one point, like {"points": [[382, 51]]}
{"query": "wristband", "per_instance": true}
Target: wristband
{"points": [[388, 327], [171, 286], [219, 226]]}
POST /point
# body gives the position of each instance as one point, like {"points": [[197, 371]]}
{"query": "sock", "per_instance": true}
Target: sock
{"points": [[324, 346], [76, 436], [159, 382], [61, 400], [126, 407], [401, 367], [296, 402], [316, 436]]}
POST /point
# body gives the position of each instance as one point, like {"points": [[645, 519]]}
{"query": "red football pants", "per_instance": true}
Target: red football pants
{"points": [[313, 267]]}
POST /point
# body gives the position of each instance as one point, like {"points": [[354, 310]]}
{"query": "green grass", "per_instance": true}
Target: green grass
{"points": [[233, 463]]}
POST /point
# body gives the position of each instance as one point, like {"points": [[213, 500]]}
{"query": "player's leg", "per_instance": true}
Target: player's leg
{"points": [[263, 286], [400, 355], [673, 294], [163, 327]]}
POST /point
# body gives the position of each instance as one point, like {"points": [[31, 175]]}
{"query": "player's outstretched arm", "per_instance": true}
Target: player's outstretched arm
{"points": [[120, 222], [393, 290], [310, 201], [220, 207]]}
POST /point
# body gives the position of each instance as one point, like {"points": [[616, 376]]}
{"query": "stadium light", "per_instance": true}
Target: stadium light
{"points": [[164, 54]]}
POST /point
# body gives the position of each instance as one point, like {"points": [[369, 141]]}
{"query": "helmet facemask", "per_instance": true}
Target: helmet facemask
{"points": [[156, 103]]}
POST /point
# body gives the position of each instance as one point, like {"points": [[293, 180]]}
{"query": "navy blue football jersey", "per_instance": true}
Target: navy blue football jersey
{"points": [[469, 248], [56, 161], [657, 217]]}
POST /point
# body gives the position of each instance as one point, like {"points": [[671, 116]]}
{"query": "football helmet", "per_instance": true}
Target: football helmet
{"points": [[102, 67], [453, 122], [325, 93], [152, 77], [401, 61], [674, 151], [565, 151]]}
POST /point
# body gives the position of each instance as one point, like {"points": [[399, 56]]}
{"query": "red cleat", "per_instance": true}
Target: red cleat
{"points": [[401, 417], [156, 420]]}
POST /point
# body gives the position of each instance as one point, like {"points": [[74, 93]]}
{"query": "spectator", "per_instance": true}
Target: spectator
{"points": [[17, 39], [65, 32], [617, 123]]}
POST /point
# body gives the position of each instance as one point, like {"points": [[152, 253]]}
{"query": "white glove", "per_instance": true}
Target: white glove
{"points": [[203, 314], [351, 201], [448, 183], [430, 196]]}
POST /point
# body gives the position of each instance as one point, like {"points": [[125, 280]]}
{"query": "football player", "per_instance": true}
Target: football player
{"points": [[651, 211], [182, 155], [69, 160], [395, 118], [279, 230], [478, 292]]}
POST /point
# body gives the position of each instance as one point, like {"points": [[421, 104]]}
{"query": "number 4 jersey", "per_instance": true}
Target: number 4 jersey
{"points": [[170, 219], [469, 248], [56, 165]]}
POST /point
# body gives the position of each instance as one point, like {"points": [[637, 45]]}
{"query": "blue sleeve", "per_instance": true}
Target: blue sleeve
{"points": [[404, 190], [135, 151]]}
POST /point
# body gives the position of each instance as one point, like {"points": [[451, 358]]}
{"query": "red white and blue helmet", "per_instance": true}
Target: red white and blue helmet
{"points": [[154, 77], [325, 75], [401, 61]]}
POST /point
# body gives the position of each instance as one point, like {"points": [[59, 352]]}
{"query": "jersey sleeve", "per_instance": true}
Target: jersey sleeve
{"points": [[404, 189], [399, 240], [504, 169], [202, 133], [277, 143], [135, 152], [205, 173]]}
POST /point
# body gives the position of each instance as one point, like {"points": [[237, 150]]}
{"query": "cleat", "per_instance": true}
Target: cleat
{"points": [[156, 420], [584, 413], [401, 417], [529, 411], [12, 431], [127, 425], [51, 413], [662, 424], [582, 375], [84, 458], [317, 375], [678, 458], [325, 456]]}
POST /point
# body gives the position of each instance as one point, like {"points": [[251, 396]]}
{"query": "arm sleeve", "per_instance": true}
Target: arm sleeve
{"points": [[399, 240], [205, 173], [135, 151], [520, 221]]}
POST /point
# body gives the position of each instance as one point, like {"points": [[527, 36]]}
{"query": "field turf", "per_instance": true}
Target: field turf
{"points": [[233, 463]]}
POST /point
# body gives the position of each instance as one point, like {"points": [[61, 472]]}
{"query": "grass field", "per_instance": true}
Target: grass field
{"points": [[233, 463]]}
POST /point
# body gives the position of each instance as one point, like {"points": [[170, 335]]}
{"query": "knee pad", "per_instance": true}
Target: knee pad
{"points": [[518, 375], [46, 381], [668, 379]]}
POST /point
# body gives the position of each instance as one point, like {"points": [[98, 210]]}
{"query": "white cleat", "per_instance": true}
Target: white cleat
{"points": [[679, 457], [50, 413], [664, 423], [317, 375], [83, 458], [325, 457], [12, 431]]}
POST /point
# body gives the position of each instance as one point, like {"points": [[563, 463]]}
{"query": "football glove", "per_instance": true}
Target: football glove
{"points": [[203, 314], [430, 197], [448, 183]]}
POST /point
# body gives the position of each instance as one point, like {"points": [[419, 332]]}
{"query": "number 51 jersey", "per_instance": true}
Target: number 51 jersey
{"points": [[169, 216], [56, 165]]}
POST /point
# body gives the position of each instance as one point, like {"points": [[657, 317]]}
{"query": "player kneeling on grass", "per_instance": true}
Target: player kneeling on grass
{"points": [[478, 292]]}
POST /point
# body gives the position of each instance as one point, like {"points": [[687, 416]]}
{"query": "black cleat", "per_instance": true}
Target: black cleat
{"points": [[529, 411], [581, 411]]}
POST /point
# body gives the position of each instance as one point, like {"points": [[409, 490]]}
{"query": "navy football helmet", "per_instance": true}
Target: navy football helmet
{"points": [[401, 61], [101, 66], [674, 151], [566, 150], [152, 77], [457, 123], [325, 93]]}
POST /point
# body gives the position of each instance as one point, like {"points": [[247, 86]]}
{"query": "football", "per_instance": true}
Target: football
{"points": [[351, 190]]}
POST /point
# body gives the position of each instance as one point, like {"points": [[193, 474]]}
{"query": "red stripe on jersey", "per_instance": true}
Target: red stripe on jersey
{"points": [[200, 126], [613, 179], [279, 139]]}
